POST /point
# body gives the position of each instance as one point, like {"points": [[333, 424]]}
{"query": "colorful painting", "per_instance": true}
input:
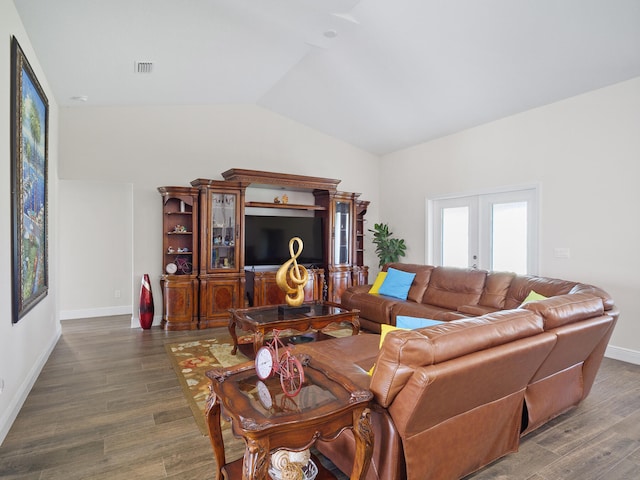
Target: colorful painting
{"points": [[29, 142]]}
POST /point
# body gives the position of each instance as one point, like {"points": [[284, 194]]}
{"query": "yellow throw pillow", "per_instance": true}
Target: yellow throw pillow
{"points": [[384, 329], [533, 297], [376, 285]]}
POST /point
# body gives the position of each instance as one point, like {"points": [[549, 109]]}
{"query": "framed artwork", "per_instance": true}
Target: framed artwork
{"points": [[29, 144]]}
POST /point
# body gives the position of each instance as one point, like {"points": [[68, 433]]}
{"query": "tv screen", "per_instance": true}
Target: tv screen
{"points": [[266, 239]]}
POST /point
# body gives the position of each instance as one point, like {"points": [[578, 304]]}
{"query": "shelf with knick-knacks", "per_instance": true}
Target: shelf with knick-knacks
{"points": [[180, 212], [223, 230], [179, 282]]}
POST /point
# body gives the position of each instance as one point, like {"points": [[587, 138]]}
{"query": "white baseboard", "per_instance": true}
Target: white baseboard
{"points": [[95, 312], [623, 354], [9, 416]]}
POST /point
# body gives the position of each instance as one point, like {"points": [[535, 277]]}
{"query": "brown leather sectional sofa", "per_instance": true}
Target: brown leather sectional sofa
{"points": [[452, 398]]}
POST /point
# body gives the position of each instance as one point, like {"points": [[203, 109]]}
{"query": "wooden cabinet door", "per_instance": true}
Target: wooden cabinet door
{"points": [[360, 275], [340, 278], [217, 296], [179, 305], [221, 240]]}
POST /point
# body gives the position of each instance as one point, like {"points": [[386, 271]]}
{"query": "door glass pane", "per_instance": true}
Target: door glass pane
{"points": [[223, 230], [455, 237], [509, 237], [342, 233]]}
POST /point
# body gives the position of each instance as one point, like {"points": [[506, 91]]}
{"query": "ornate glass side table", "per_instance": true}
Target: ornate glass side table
{"points": [[267, 419]]}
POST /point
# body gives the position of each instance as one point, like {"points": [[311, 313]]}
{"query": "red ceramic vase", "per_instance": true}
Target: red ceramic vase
{"points": [[146, 303]]}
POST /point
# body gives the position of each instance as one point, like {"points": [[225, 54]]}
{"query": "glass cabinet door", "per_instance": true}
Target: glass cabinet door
{"points": [[223, 231], [342, 239]]}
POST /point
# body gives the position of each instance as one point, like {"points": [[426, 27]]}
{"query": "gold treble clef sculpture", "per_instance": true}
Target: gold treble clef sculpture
{"points": [[298, 276]]}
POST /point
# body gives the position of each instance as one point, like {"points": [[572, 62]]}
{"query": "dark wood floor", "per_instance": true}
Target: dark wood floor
{"points": [[108, 406]]}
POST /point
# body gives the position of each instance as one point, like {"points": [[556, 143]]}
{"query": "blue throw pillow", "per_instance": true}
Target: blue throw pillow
{"points": [[396, 284], [412, 323]]}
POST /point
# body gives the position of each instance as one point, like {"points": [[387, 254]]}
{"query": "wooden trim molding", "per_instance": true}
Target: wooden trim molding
{"points": [[282, 179]]}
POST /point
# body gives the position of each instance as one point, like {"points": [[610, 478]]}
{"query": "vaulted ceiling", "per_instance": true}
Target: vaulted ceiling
{"points": [[379, 74]]}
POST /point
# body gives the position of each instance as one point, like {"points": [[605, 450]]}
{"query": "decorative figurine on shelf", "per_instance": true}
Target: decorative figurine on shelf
{"points": [[276, 200], [298, 275], [285, 198], [170, 249], [183, 265], [273, 357], [179, 229]]}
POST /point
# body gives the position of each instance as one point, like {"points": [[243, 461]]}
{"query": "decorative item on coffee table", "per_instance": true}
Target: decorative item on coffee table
{"points": [[274, 358], [298, 277], [288, 465]]}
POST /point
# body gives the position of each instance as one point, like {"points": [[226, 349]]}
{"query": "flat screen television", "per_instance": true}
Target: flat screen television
{"points": [[266, 240]]}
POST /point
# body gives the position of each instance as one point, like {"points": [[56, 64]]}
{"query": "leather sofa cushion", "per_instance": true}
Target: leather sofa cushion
{"points": [[476, 310], [495, 289], [350, 356], [565, 309], [421, 310], [451, 287], [421, 280], [405, 350]]}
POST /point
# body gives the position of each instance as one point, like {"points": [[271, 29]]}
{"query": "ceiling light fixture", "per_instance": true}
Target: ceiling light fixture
{"points": [[80, 98], [330, 34]]}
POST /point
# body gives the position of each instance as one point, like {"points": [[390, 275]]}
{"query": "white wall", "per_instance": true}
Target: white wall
{"points": [[25, 346], [96, 268], [147, 147], [584, 153]]}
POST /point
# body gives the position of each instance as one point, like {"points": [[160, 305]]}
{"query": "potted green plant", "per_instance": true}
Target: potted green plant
{"points": [[388, 249]]}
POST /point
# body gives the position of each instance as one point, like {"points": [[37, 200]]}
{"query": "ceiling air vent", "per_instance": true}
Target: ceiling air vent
{"points": [[144, 67]]}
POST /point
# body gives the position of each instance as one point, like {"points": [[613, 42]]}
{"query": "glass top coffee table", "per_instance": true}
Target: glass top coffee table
{"points": [[312, 315]]}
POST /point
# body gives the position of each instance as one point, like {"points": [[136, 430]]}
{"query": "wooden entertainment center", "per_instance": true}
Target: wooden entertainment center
{"points": [[204, 245]]}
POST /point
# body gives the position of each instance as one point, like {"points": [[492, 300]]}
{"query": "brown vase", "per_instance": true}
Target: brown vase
{"points": [[146, 303]]}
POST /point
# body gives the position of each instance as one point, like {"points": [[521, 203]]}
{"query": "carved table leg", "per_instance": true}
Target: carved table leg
{"points": [[255, 464], [212, 415], [364, 443], [234, 336], [258, 340], [355, 326]]}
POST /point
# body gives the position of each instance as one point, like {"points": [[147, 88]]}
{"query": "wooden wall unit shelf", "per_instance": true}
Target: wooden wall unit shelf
{"points": [[213, 212], [288, 206], [179, 282], [295, 182]]}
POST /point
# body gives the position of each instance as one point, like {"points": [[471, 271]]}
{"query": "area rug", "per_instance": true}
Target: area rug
{"points": [[192, 359]]}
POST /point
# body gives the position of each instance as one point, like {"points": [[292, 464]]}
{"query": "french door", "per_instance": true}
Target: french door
{"points": [[492, 231]]}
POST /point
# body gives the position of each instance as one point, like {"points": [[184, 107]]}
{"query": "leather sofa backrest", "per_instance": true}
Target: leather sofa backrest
{"points": [[522, 285], [607, 301], [495, 289], [564, 309], [405, 350], [450, 287], [420, 282]]}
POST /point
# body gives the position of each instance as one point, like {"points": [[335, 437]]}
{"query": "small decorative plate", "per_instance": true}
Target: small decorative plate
{"points": [[171, 268]]}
